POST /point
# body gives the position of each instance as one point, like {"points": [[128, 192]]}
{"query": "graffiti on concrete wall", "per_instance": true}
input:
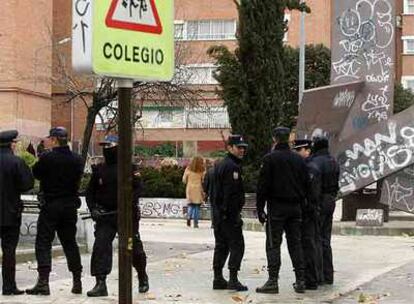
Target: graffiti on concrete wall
{"points": [[162, 207], [363, 49], [377, 152], [398, 190]]}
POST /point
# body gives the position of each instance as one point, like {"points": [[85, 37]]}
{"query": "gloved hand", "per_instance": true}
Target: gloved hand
{"points": [[95, 214], [262, 216]]}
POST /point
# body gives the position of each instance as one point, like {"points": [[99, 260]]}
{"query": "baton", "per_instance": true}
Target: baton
{"points": [[101, 214]]}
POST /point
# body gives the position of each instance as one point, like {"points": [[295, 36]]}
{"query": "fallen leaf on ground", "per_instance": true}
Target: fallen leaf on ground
{"points": [[150, 296], [237, 298]]}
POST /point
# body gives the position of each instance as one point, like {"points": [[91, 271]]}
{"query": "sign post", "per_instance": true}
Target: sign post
{"points": [[128, 40], [125, 191]]}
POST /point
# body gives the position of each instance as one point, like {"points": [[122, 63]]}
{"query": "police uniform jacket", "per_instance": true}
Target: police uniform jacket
{"points": [[102, 191], [15, 178], [283, 178], [229, 197], [329, 172], [59, 172]]}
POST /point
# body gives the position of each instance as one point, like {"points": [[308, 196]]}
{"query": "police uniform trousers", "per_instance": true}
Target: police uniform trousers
{"points": [[229, 240], [284, 217], [310, 251], [9, 236], [326, 217], [57, 216], [105, 231]]}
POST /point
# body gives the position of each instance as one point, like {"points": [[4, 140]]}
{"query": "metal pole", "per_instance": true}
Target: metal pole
{"points": [[302, 55], [125, 191]]}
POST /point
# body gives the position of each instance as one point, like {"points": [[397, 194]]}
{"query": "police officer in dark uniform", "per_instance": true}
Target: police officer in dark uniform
{"points": [[227, 204], [102, 202], [59, 172], [283, 185], [15, 178], [310, 216], [329, 171]]}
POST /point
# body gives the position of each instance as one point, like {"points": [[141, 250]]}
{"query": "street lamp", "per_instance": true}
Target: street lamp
{"points": [[60, 42], [302, 55]]}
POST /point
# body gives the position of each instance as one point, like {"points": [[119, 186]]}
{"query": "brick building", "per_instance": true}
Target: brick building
{"points": [[26, 95], [25, 58]]}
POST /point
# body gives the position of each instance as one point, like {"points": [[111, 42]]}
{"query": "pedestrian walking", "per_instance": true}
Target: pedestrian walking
{"points": [[59, 172], [15, 179], [310, 216], [282, 188], [101, 197], [193, 178], [329, 170], [227, 204]]}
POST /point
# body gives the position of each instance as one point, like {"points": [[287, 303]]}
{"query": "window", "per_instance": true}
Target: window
{"points": [[201, 74], [205, 30], [179, 30], [408, 82], [409, 7], [158, 117], [207, 118], [408, 44]]}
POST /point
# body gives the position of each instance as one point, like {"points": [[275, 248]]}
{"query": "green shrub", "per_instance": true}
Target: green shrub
{"points": [[165, 150], [163, 182]]}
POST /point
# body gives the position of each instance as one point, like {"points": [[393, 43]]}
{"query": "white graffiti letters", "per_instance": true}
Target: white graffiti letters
{"points": [[376, 156], [344, 99]]}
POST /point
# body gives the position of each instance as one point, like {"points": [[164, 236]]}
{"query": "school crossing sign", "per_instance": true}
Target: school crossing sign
{"points": [[124, 38]]}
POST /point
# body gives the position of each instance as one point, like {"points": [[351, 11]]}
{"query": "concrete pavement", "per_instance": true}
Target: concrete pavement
{"points": [[185, 277]]}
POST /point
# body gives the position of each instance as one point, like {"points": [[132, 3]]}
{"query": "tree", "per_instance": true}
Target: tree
{"points": [[99, 94], [253, 77], [403, 98], [317, 74]]}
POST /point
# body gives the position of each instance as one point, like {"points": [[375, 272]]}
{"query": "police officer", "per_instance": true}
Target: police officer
{"points": [[59, 172], [310, 216], [329, 171], [283, 185], [101, 198], [227, 204], [15, 178]]}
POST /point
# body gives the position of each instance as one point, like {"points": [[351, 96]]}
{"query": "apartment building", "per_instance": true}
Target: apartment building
{"points": [[406, 30], [30, 103]]}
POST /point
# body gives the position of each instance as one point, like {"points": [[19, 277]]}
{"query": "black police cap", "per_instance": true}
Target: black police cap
{"points": [[58, 132], [320, 142], [302, 143], [8, 136], [281, 132], [236, 140]]}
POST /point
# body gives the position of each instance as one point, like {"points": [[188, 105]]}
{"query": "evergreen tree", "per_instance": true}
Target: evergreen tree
{"points": [[253, 78]]}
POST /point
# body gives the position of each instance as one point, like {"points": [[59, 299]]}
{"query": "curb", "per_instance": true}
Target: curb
{"points": [[24, 255], [349, 228]]}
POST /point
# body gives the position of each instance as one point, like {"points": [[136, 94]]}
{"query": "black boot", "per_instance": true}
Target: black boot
{"points": [[12, 291], [188, 223], [299, 286], [234, 283], [41, 287], [143, 284], [271, 286], [219, 282], [195, 224], [100, 289], [77, 283]]}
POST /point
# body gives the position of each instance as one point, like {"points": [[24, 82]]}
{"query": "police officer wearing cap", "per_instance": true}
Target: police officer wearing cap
{"points": [[15, 178], [227, 204], [102, 201], [282, 188], [59, 172], [310, 216], [329, 171]]}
